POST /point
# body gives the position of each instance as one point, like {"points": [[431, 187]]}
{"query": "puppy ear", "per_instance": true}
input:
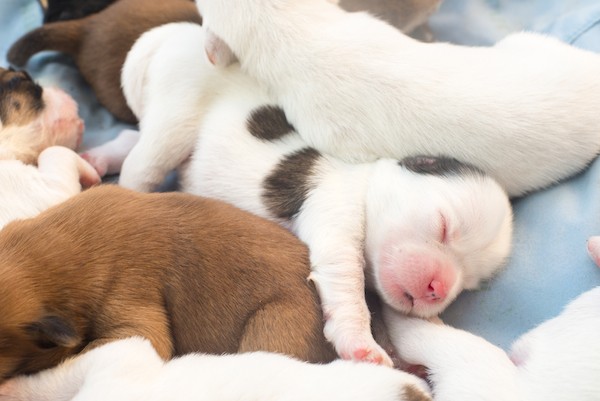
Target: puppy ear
{"points": [[218, 52], [53, 331]]}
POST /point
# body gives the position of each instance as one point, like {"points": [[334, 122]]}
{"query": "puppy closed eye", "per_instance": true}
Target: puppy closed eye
{"points": [[443, 232]]}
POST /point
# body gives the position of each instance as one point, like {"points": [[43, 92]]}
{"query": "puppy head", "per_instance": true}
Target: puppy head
{"points": [[33, 118], [32, 337], [434, 227]]}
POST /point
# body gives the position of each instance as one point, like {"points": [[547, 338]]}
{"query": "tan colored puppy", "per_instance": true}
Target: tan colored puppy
{"points": [[188, 273], [99, 43]]}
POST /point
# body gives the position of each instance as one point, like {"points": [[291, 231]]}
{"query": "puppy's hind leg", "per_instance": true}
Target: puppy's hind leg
{"points": [[108, 158], [59, 36], [66, 169], [292, 327]]}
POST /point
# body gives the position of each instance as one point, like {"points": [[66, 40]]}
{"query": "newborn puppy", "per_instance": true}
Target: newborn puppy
{"points": [[33, 121], [190, 274], [100, 42], [424, 228], [525, 110], [556, 361], [131, 369]]}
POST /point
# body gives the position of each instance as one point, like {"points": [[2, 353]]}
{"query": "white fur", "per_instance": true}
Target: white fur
{"points": [[26, 190], [130, 369], [378, 210], [525, 110], [556, 361]]}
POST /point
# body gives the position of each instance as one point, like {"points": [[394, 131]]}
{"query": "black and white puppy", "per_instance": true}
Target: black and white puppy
{"points": [[524, 110], [422, 229]]}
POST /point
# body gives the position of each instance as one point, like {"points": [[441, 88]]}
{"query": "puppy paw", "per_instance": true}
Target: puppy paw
{"points": [[99, 162], [366, 350]]}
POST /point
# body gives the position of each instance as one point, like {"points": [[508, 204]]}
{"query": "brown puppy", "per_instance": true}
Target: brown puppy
{"points": [[99, 43], [188, 273]]}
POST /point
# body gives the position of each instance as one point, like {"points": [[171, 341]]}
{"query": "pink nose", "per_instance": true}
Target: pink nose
{"points": [[436, 291]]}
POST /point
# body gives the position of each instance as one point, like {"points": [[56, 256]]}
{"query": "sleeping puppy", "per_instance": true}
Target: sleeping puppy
{"points": [[423, 228], [525, 110], [190, 274], [558, 360], [131, 369], [100, 42], [38, 125]]}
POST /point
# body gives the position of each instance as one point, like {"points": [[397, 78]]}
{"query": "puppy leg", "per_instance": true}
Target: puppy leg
{"points": [[66, 169], [271, 377], [332, 224], [290, 327], [164, 144], [151, 322], [110, 371], [461, 366], [57, 384], [108, 158]]}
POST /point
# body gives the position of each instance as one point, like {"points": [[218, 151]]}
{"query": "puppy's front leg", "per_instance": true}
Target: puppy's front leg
{"points": [[331, 223], [167, 140], [56, 384], [461, 366], [66, 169]]}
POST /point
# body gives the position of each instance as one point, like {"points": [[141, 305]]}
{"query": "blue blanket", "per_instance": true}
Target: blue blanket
{"points": [[549, 265]]}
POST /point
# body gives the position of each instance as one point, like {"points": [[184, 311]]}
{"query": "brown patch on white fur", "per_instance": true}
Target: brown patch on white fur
{"points": [[188, 273], [411, 393], [99, 43], [33, 118]]}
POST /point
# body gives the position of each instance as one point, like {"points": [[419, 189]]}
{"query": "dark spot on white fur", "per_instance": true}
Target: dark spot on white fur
{"points": [[288, 185], [439, 165], [268, 123], [20, 98], [411, 393]]}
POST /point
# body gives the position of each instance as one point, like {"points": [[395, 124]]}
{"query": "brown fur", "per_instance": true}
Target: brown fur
{"points": [[188, 273], [20, 98], [99, 43]]}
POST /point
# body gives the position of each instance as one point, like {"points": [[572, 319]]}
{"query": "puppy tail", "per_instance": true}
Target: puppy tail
{"points": [[63, 37]]}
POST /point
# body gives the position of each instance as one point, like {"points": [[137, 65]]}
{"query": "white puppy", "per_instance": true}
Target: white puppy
{"points": [[525, 110], [130, 369], [37, 125], [424, 228], [556, 361]]}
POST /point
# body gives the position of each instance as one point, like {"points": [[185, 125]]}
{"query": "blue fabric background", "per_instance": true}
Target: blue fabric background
{"points": [[549, 266]]}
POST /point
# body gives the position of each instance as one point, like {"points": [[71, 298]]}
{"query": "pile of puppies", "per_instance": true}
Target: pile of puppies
{"points": [[367, 165]]}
